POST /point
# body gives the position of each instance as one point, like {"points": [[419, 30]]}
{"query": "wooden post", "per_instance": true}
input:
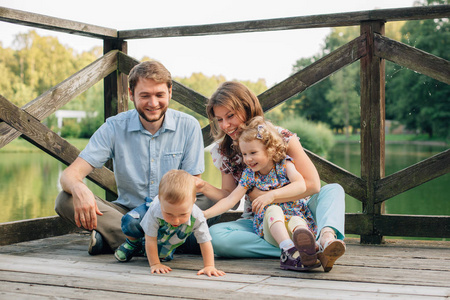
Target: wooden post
{"points": [[372, 125], [115, 91]]}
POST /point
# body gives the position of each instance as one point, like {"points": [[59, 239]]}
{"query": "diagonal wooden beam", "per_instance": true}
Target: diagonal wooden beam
{"points": [[412, 176], [59, 95], [39, 135], [314, 73], [331, 173], [412, 58]]}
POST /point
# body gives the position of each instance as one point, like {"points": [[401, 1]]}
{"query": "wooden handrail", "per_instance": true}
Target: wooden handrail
{"points": [[56, 24], [315, 21]]}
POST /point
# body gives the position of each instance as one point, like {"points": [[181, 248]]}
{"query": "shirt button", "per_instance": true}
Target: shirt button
{"points": [[151, 182]]}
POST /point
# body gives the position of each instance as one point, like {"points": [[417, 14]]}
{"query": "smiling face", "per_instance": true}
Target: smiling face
{"points": [[255, 156], [176, 213], [151, 100], [229, 121]]}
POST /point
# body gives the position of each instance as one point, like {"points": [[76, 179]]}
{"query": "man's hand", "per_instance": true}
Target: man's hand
{"points": [[85, 207], [160, 269], [262, 201], [210, 271]]}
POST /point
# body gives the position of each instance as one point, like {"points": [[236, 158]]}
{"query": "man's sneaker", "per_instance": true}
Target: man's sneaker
{"points": [[96, 244], [127, 250], [290, 260]]}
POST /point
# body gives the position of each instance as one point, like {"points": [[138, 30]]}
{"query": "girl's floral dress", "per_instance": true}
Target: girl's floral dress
{"points": [[276, 178], [235, 166]]}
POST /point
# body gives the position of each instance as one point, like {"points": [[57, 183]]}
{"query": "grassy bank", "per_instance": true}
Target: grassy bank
{"points": [[394, 138]]}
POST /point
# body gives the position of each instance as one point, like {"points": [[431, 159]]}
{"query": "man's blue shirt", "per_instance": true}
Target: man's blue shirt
{"points": [[140, 159]]}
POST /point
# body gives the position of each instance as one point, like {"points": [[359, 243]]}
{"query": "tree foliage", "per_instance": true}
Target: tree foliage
{"points": [[418, 101]]}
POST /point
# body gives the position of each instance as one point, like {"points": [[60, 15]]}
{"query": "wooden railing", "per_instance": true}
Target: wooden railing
{"points": [[371, 48]]}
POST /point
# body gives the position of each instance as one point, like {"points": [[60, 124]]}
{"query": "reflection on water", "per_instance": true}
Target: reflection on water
{"points": [[430, 198], [29, 182]]}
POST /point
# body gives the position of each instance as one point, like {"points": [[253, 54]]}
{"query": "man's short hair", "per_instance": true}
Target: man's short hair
{"points": [[149, 70]]}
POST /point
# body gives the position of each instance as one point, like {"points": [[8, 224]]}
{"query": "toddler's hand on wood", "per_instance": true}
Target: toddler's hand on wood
{"points": [[160, 269], [210, 271]]}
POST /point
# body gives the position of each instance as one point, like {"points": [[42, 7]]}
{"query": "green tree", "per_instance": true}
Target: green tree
{"points": [[420, 102], [344, 99]]}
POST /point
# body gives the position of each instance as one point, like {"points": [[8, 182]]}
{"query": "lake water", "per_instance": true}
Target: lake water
{"points": [[29, 182]]}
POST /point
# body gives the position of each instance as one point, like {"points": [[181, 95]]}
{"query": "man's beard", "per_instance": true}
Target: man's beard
{"points": [[154, 119]]}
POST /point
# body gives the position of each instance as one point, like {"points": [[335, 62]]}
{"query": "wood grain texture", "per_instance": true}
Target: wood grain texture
{"points": [[59, 95], [412, 58], [55, 24], [315, 21], [39, 135]]}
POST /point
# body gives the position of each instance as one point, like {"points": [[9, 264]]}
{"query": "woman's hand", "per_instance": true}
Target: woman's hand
{"points": [[199, 184], [262, 201]]}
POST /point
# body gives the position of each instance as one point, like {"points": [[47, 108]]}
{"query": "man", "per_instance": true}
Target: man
{"points": [[144, 144]]}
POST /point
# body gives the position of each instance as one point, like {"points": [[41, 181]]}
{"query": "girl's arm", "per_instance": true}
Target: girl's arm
{"points": [[226, 203], [293, 190], [304, 166]]}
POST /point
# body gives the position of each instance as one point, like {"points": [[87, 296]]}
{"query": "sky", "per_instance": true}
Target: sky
{"points": [[248, 56]]}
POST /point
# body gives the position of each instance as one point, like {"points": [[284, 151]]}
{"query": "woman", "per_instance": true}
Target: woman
{"points": [[230, 107]]}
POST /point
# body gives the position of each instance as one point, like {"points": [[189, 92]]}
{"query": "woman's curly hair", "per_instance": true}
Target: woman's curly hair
{"points": [[264, 131]]}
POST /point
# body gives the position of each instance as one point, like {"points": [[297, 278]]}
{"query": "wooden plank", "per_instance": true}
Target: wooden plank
{"points": [[314, 21], [372, 76], [412, 58], [413, 176], [39, 135], [56, 24], [347, 291], [356, 287], [314, 73], [180, 93], [361, 224], [59, 95], [413, 226], [26, 230], [113, 100]]}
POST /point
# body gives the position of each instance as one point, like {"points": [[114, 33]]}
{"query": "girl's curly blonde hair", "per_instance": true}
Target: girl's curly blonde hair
{"points": [[264, 131]]}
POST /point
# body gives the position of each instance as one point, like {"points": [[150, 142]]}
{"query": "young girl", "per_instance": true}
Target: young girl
{"points": [[269, 169]]}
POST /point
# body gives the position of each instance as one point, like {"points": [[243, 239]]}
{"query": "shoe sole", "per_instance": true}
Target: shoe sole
{"points": [[305, 243], [331, 253], [301, 269]]}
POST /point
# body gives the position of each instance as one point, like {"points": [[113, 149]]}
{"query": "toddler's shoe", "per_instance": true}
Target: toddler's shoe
{"points": [[305, 243], [290, 260], [127, 250]]}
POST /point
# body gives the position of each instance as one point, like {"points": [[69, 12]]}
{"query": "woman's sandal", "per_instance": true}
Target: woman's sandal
{"points": [[330, 251], [305, 243]]}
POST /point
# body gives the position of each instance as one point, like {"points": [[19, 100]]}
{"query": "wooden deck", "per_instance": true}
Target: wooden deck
{"points": [[61, 268]]}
